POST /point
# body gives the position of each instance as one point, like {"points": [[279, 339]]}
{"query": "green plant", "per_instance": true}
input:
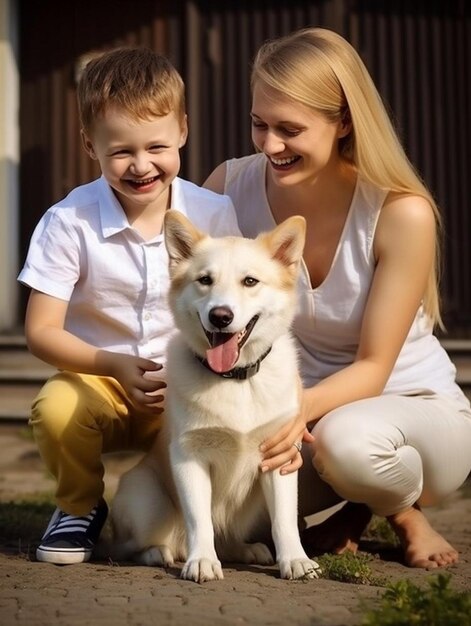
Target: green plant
{"points": [[379, 529], [24, 521], [406, 604], [348, 568]]}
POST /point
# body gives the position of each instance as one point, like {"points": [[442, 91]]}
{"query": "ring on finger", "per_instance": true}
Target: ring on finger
{"points": [[298, 445]]}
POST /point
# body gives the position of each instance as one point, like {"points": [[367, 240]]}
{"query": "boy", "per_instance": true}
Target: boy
{"points": [[97, 267]]}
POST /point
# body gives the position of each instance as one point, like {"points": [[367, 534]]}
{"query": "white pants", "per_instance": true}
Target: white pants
{"points": [[387, 452]]}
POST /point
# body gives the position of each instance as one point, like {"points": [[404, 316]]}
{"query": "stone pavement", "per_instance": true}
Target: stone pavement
{"points": [[38, 594], [44, 595]]}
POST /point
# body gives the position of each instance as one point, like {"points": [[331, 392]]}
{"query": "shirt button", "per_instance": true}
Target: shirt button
{"points": [[147, 316]]}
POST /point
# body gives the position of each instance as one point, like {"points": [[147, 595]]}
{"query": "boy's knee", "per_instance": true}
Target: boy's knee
{"points": [[60, 401]]}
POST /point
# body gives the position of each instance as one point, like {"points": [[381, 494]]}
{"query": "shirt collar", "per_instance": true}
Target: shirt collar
{"points": [[112, 216], [177, 198]]}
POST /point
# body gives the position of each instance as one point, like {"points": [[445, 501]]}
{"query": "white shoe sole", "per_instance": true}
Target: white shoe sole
{"points": [[62, 557]]}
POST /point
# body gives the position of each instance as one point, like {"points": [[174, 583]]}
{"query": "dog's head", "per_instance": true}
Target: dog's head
{"points": [[232, 297]]}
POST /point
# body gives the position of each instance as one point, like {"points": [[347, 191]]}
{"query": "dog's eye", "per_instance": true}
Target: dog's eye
{"points": [[250, 281], [205, 280]]}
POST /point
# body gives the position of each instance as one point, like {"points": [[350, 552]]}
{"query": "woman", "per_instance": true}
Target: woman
{"points": [[391, 429]]}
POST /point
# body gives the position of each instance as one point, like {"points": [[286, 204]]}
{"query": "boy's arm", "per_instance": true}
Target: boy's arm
{"points": [[48, 340]]}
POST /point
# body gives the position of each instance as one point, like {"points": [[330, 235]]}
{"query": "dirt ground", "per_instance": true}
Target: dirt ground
{"points": [[40, 594]]}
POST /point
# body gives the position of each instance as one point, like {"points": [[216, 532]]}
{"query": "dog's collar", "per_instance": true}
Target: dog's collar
{"points": [[238, 373]]}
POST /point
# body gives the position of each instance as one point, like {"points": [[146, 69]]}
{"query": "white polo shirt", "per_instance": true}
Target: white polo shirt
{"points": [[85, 252]]}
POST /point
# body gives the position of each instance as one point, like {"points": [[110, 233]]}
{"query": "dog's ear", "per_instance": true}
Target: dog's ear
{"points": [[286, 241], [180, 236]]}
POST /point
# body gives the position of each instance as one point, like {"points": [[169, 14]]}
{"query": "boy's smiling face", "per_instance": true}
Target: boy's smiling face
{"points": [[138, 158]]}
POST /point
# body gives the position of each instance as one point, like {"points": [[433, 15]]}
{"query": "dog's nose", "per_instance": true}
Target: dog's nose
{"points": [[221, 316]]}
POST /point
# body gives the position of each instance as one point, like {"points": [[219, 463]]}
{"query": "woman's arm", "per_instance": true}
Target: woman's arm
{"points": [[217, 179], [404, 249]]}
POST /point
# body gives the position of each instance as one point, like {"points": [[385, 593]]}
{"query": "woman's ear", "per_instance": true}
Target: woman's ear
{"points": [[345, 125], [88, 145]]}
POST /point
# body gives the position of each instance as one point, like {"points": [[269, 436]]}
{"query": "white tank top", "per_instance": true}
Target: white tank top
{"points": [[328, 319]]}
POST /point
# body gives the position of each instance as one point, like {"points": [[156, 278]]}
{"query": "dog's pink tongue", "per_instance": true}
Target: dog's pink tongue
{"points": [[223, 356]]}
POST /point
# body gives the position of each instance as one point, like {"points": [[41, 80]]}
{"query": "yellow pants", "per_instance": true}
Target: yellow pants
{"points": [[76, 418]]}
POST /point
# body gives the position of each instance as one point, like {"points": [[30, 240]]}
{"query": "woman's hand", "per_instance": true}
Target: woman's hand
{"points": [[280, 450]]}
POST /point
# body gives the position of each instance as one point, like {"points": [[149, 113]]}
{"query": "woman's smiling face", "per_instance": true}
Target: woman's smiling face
{"points": [[298, 142]]}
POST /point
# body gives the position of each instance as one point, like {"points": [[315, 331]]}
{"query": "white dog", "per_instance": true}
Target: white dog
{"points": [[232, 382]]}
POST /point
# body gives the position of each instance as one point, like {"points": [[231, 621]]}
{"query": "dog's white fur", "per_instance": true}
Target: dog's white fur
{"points": [[203, 474]]}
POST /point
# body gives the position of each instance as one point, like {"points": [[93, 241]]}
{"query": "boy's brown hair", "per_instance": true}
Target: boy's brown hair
{"points": [[137, 80]]}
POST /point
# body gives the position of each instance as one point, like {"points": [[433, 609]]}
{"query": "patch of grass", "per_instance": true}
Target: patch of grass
{"points": [[406, 604], [379, 529], [24, 521], [349, 568]]}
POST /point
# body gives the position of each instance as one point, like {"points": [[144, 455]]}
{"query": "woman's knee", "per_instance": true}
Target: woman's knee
{"points": [[367, 460], [348, 466], [347, 452]]}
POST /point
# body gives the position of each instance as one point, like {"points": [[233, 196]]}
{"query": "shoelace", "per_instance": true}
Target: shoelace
{"points": [[72, 523]]}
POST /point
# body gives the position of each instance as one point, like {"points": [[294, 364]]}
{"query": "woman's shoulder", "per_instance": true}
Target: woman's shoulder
{"points": [[407, 210], [369, 195], [234, 171], [249, 165], [400, 207], [406, 220]]}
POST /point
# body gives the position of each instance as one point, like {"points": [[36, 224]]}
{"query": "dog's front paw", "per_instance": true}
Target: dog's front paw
{"points": [[156, 555], [299, 568], [202, 570]]}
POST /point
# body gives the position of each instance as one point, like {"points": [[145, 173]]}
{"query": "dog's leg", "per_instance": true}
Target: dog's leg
{"points": [[193, 484], [235, 551], [242, 538], [281, 497], [144, 519]]}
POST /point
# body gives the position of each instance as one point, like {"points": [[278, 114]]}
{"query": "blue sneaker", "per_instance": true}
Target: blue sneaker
{"points": [[71, 538]]}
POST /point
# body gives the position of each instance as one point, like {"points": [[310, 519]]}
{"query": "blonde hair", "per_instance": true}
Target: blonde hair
{"points": [[138, 81], [320, 69]]}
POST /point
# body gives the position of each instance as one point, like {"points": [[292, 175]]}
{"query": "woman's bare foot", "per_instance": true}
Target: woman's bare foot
{"points": [[423, 546], [340, 532]]}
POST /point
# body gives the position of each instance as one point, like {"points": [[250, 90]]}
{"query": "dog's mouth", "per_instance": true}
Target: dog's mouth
{"points": [[225, 347]]}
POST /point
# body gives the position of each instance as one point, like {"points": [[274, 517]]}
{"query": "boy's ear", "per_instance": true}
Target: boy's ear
{"points": [[88, 145], [184, 132]]}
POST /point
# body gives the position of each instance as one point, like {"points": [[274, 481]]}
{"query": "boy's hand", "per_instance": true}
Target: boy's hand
{"points": [[134, 375]]}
